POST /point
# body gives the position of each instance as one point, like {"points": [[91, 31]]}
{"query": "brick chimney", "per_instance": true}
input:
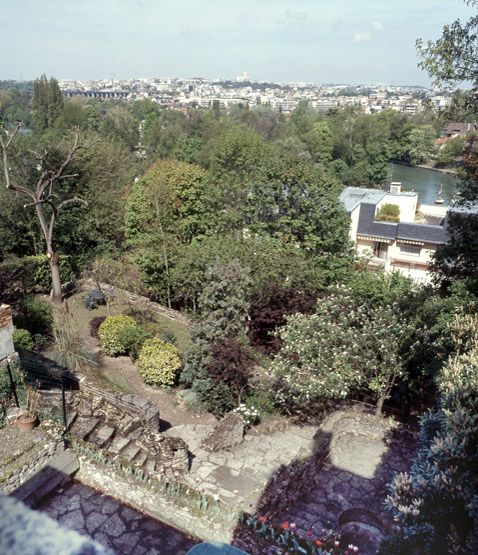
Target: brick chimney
{"points": [[6, 331]]}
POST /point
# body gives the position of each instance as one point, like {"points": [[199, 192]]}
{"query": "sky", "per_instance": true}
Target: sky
{"points": [[322, 41]]}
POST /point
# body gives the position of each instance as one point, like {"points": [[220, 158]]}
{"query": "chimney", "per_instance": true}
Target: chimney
{"points": [[395, 187], [6, 331]]}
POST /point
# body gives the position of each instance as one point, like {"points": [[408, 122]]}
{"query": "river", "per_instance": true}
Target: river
{"points": [[425, 182]]}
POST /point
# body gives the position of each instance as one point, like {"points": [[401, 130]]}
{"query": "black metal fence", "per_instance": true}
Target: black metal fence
{"points": [[53, 383]]}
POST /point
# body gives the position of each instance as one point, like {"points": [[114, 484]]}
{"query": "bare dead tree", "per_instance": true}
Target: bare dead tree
{"points": [[43, 195]]}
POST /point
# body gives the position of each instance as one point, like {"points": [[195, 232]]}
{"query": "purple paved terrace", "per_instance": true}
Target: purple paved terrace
{"points": [[113, 524]]}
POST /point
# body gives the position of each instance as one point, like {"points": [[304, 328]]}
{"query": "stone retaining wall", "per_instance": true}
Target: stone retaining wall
{"points": [[20, 465], [214, 522]]}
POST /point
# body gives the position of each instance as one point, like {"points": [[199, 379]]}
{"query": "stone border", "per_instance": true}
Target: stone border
{"points": [[23, 465], [137, 300], [193, 512]]}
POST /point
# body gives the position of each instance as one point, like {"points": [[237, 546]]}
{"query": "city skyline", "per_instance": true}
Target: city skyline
{"points": [[280, 41]]}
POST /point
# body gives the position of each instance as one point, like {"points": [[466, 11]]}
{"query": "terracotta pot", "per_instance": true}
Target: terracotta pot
{"points": [[25, 424]]}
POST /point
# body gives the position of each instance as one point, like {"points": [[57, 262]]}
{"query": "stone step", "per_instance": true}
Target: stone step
{"points": [[150, 465], [58, 470], [83, 426], [130, 452], [118, 443], [102, 436], [141, 458]]}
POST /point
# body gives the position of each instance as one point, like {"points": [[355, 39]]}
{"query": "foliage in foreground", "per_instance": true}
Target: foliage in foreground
{"points": [[22, 339], [159, 363], [436, 503]]}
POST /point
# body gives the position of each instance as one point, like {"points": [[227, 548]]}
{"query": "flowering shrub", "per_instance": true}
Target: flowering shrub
{"points": [[284, 534], [344, 347], [249, 414], [159, 362], [116, 333]]}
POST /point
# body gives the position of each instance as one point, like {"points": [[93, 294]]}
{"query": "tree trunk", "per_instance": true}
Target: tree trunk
{"points": [[54, 261], [378, 410]]}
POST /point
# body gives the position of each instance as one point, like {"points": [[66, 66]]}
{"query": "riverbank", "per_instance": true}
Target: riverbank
{"points": [[428, 167]]}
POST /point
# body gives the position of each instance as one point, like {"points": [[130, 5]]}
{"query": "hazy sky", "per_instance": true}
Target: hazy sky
{"points": [[353, 41]]}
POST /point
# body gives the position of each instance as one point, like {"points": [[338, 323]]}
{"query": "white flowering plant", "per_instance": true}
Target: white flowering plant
{"points": [[345, 347], [249, 414]]}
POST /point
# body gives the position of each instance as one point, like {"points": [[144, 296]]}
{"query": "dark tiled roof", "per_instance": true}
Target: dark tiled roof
{"points": [[422, 232], [367, 225], [383, 230]]}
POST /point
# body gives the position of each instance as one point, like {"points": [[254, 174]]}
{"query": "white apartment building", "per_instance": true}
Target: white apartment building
{"points": [[407, 245]]}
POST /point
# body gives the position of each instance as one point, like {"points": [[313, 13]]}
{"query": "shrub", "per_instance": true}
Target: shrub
{"points": [[388, 213], [435, 504], [114, 334], [95, 324], [69, 349], [230, 365], [22, 339], [169, 337], [34, 316], [344, 348], [158, 362], [133, 338], [268, 311]]}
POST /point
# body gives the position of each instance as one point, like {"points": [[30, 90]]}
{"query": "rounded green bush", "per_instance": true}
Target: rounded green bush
{"points": [[158, 362], [114, 334], [22, 339]]}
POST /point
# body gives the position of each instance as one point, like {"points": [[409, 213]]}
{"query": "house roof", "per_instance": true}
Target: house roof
{"points": [[424, 233], [454, 128], [367, 225], [351, 197]]}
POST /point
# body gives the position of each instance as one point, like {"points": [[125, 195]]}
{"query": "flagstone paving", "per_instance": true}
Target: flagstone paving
{"points": [[114, 525], [239, 475]]}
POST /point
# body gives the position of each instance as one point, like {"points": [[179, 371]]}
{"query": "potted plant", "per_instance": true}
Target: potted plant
{"points": [[28, 418]]}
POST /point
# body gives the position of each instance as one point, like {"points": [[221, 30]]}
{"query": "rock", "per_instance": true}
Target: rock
{"points": [[228, 433], [102, 435]]}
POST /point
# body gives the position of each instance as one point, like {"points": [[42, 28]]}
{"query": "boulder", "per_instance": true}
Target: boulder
{"points": [[228, 433]]}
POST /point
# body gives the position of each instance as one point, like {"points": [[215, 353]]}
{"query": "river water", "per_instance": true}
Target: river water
{"points": [[425, 182]]}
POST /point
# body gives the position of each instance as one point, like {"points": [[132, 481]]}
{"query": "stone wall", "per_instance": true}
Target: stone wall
{"points": [[6, 331], [138, 301], [31, 451], [185, 511]]}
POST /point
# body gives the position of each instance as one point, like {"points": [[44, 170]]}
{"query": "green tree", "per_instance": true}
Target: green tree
{"points": [[224, 309], [320, 142], [168, 206], [47, 102], [419, 146]]}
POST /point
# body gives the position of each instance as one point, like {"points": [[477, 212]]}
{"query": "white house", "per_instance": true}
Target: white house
{"points": [[406, 245]]}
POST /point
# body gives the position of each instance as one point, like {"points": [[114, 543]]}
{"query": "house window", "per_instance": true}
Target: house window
{"points": [[380, 249], [410, 249]]}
